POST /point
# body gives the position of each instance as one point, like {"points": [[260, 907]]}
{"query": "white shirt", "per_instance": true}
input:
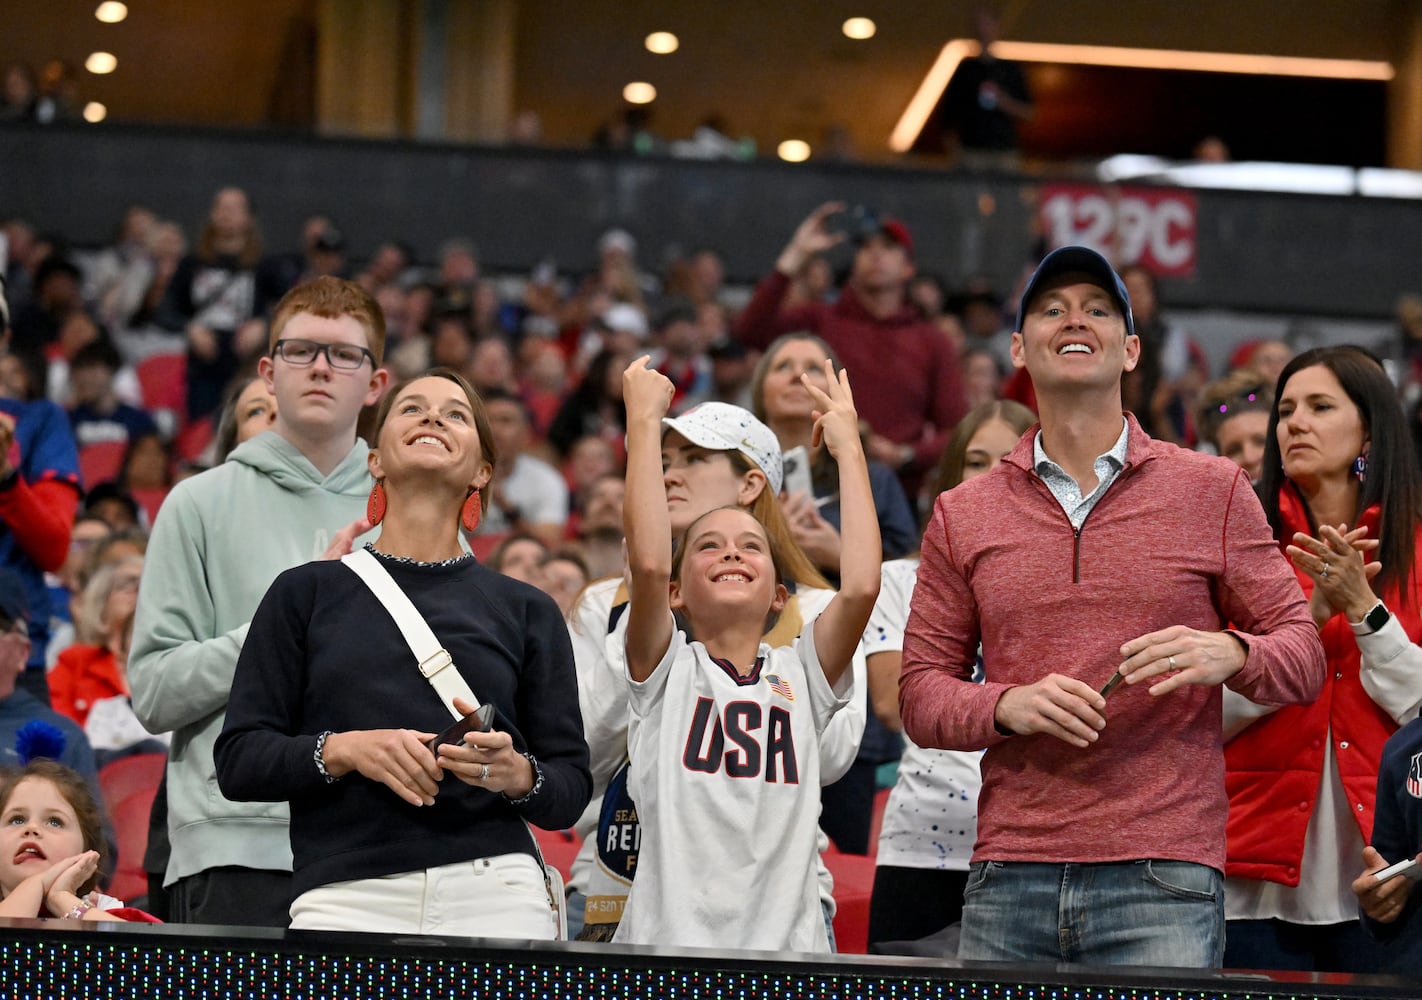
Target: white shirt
{"points": [[726, 777]]}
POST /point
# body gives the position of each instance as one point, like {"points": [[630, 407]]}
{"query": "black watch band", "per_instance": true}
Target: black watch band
{"points": [[1377, 617]]}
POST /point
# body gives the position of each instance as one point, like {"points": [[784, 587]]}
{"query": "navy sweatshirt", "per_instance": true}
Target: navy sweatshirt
{"points": [[324, 654]]}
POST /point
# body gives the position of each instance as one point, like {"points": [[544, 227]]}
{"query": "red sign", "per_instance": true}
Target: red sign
{"points": [[1150, 226]]}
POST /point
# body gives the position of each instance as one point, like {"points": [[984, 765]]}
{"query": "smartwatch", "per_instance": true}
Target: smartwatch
{"points": [[1374, 620]]}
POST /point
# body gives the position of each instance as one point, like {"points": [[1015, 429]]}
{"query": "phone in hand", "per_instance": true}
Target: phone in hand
{"points": [[481, 720], [797, 478], [1409, 868]]}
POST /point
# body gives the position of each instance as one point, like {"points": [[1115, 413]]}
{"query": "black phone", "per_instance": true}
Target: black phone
{"points": [[481, 720]]}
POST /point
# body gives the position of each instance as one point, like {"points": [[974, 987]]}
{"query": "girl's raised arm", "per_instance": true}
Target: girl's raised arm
{"points": [[645, 522], [840, 626]]}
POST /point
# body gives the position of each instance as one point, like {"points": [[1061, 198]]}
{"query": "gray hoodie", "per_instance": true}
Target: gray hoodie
{"points": [[220, 540]]}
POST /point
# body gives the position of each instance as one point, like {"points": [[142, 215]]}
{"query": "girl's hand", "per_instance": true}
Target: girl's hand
{"points": [[487, 761], [1341, 578], [836, 422], [61, 883], [647, 393]]}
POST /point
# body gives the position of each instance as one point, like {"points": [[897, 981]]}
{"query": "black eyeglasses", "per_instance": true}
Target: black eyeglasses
{"points": [[345, 357]]}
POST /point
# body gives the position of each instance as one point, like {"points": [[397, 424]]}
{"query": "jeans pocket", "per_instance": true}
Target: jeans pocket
{"points": [[979, 873], [1184, 879], [519, 874]]}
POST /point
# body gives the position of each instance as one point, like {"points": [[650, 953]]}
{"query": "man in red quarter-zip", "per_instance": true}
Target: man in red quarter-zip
{"points": [[1114, 583]]}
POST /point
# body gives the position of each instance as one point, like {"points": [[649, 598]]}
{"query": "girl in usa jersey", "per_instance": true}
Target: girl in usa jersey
{"points": [[724, 730]]}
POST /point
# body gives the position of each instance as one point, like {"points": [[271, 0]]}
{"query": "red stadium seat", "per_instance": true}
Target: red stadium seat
{"points": [[129, 785], [163, 379], [100, 462]]}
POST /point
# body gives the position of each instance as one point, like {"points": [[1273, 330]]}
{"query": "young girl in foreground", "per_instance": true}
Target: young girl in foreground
{"points": [[50, 836], [723, 730]]}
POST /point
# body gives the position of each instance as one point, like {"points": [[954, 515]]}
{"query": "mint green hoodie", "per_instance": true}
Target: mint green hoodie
{"points": [[220, 540]]}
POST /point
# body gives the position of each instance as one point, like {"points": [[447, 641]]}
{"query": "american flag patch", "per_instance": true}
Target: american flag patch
{"points": [[1414, 777], [780, 687]]}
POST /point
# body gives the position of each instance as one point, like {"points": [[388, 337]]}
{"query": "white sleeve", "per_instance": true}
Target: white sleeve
{"points": [[602, 680], [885, 633], [1391, 671], [826, 702], [645, 696]]}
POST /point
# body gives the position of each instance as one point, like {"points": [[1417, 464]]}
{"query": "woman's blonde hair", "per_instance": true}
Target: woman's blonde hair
{"points": [[91, 625]]}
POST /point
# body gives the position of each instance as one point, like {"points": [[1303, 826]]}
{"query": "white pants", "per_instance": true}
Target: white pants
{"points": [[498, 897]]}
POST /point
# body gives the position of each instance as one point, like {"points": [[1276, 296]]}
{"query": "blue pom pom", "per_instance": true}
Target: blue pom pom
{"points": [[38, 738]]}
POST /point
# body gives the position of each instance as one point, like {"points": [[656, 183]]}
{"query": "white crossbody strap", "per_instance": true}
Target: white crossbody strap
{"points": [[435, 662], [438, 668]]}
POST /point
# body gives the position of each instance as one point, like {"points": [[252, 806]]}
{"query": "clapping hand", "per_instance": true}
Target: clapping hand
{"points": [[1335, 561]]}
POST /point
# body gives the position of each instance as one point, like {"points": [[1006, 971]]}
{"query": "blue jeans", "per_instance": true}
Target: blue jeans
{"points": [[1150, 912]]}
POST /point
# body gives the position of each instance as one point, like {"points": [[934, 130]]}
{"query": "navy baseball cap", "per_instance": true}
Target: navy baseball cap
{"points": [[1081, 260]]}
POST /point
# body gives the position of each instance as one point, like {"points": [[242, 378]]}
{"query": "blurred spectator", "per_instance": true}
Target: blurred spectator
{"points": [[95, 668], [323, 252], [679, 356], [17, 99], [600, 527], [985, 101], [982, 376], [544, 383], [118, 275], [731, 366], [491, 367], [58, 296], [1233, 418], [983, 325], [96, 414], [39, 495], [811, 284], [1211, 149], [564, 577], [17, 705], [589, 460], [520, 556], [213, 296], [26, 253], [1267, 357], [1161, 392], [595, 406], [451, 340], [929, 296], [111, 503], [146, 474], [385, 268], [58, 99], [908, 385], [526, 129], [628, 131], [167, 246], [526, 495], [250, 409], [458, 271]]}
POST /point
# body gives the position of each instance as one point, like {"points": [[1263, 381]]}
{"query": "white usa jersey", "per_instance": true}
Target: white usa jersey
{"points": [[726, 777]]}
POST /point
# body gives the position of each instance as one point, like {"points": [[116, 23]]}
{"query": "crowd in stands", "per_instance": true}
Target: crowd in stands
{"points": [[129, 368]]}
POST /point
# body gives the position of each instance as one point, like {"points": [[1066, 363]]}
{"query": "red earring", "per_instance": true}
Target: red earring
{"points": [[470, 513], [375, 506]]}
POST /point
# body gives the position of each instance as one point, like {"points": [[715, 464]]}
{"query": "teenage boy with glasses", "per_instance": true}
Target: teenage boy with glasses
{"points": [[279, 500]]}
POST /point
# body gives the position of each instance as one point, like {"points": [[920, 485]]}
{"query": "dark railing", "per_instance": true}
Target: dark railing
{"points": [[1274, 253]]}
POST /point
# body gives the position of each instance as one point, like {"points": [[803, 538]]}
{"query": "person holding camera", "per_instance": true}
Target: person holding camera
{"points": [[911, 385]]}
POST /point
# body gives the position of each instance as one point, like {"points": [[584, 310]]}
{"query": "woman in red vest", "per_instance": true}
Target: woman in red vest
{"points": [[1343, 493]]}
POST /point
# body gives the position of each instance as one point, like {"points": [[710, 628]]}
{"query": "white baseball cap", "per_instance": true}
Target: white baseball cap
{"points": [[723, 427]]}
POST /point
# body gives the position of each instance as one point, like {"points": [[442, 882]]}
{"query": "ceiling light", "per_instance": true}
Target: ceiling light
{"points": [[793, 150], [915, 116], [95, 112], [639, 92], [662, 43], [859, 28], [100, 63], [111, 11]]}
